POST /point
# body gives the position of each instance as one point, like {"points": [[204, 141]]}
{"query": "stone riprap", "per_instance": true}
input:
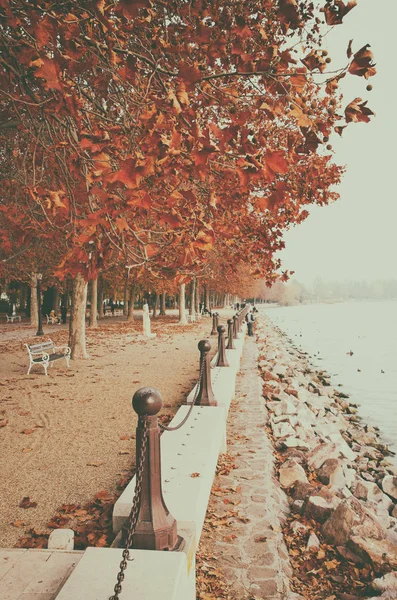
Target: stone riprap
{"points": [[334, 468]]}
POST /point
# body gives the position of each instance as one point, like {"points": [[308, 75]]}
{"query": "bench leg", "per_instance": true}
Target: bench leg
{"points": [[45, 365], [30, 366], [67, 358]]}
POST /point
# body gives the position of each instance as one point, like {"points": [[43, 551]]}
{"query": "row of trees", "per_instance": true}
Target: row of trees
{"points": [[164, 143]]}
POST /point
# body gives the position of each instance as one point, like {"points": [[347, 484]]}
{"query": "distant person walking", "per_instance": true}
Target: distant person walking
{"points": [[250, 320]]}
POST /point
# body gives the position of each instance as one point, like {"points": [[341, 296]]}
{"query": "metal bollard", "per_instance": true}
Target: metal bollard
{"points": [[213, 330], [235, 327], [156, 528], [230, 345], [222, 359], [205, 395], [216, 320]]}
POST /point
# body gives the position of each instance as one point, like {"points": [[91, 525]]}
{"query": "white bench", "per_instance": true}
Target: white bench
{"points": [[53, 320], [12, 318], [118, 312], [46, 353]]}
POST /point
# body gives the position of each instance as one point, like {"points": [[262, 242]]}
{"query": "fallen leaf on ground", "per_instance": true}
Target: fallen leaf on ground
{"points": [[18, 523], [3, 422], [95, 464], [27, 503], [28, 431], [194, 474]]}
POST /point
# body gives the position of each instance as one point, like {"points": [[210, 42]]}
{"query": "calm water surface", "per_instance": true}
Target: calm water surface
{"points": [[330, 332]]}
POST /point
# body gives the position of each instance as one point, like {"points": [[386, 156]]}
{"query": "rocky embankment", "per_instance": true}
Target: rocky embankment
{"points": [[341, 487]]}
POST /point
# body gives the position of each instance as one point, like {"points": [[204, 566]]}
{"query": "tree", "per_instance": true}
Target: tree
{"points": [[154, 133]]}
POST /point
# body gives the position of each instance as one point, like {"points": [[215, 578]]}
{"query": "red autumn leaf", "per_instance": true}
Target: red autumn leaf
{"points": [[128, 174], [339, 129], [337, 10], [314, 60], [349, 50], [28, 431], [276, 161], [288, 13], [205, 240], [3, 422], [189, 73], [173, 219], [27, 503], [45, 31], [333, 84], [122, 224], [18, 523], [104, 495], [194, 475], [48, 70], [130, 8], [357, 112], [362, 64], [201, 156]]}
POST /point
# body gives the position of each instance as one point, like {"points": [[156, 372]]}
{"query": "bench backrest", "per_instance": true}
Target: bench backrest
{"points": [[47, 346]]}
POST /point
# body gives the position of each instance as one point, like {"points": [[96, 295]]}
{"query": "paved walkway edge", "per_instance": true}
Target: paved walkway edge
{"points": [[252, 553]]}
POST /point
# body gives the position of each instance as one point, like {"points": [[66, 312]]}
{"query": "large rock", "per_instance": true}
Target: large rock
{"points": [[282, 430], [386, 583], [351, 518], [343, 447], [320, 508], [287, 407], [302, 490], [306, 418], [320, 454], [389, 486], [332, 473], [290, 473], [313, 543], [294, 442], [379, 552]]}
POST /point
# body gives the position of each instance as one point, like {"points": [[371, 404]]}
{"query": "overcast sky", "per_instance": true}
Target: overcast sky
{"points": [[356, 237]]}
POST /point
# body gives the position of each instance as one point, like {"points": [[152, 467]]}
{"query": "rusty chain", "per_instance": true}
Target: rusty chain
{"points": [[196, 393], [133, 518]]}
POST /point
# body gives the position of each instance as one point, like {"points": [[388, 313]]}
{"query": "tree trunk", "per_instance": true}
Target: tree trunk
{"points": [[162, 304], [94, 304], [55, 301], [155, 305], [22, 298], [34, 307], [192, 309], [125, 307], [182, 305], [131, 303], [77, 320], [206, 298], [197, 296], [100, 300]]}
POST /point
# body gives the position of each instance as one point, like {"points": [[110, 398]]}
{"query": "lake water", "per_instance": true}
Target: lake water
{"points": [[368, 330]]}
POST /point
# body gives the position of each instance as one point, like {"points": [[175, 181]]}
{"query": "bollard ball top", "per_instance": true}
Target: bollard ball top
{"points": [[221, 329], [147, 401], [204, 345], [230, 321]]}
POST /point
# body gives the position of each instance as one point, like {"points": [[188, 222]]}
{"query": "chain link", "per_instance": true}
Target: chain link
{"points": [[133, 518], [196, 393]]}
